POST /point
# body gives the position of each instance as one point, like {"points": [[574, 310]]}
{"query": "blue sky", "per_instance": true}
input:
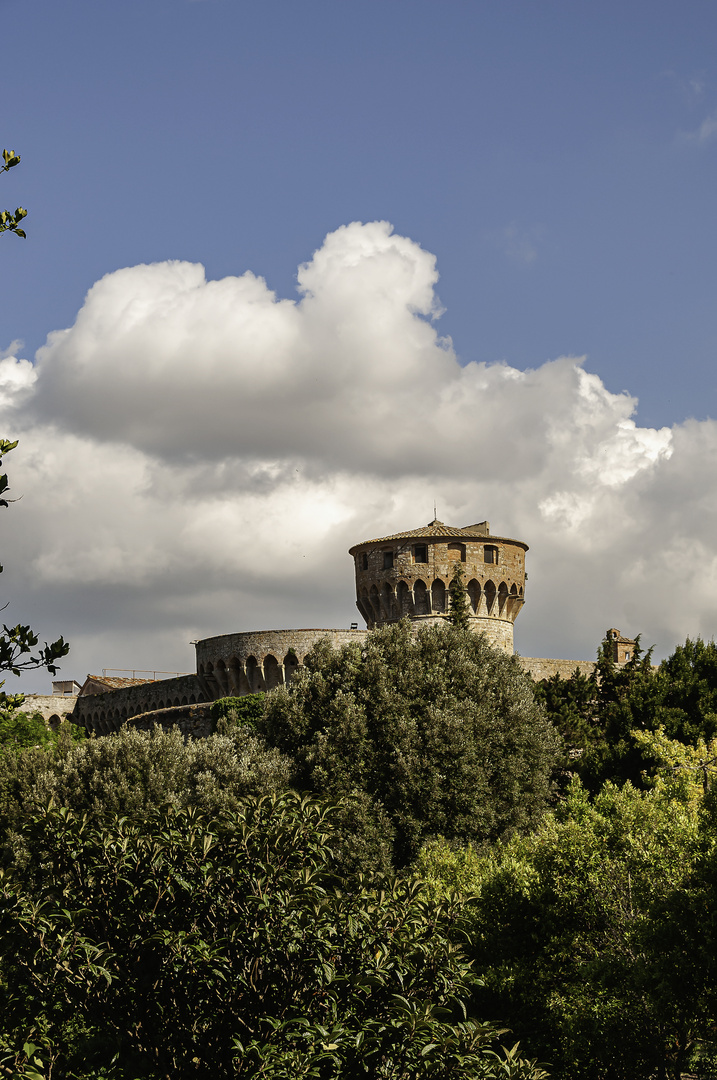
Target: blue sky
{"points": [[541, 151], [558, 159]]}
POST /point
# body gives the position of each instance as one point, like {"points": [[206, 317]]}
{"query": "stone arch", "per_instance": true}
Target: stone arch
{"points": [[192, 699], [520, 591], [456, 552], [375, 603], [54, 721], [222, 677], [209, 673], [420, 598], [388, 599], [184, 700], [272, 672], [489, 591], [403, 600], [255, 676], [514, 590], [473, 591], [177, 703], [364, 605], [291, 664], [438, 597], [502, 596]]}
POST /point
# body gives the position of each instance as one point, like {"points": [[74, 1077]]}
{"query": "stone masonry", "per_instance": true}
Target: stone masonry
{"points": [[408, 574]]}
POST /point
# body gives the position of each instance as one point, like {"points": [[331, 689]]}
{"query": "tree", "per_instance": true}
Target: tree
{"points": [[10, 222], [432, 734], [17, 642], [195, 947], [586, 937], [458, 611], [599, 715]]}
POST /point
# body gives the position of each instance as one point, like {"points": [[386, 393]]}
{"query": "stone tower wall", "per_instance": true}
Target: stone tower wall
{"points": [[409, 576]]}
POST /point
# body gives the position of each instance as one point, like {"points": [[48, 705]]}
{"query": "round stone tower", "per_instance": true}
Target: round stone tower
{"points": [[409, 574]]}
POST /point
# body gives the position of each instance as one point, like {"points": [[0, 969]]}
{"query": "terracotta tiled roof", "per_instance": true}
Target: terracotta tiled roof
{"points": [[436, 528], [114, 683]]}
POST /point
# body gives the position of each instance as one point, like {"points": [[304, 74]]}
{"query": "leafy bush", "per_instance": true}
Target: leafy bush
{"points": [[133, 772], [18, 730], [227, 712], [185, 946]]}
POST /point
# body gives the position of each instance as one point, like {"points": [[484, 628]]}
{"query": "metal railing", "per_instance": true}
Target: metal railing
{"points": [[137, 673]]}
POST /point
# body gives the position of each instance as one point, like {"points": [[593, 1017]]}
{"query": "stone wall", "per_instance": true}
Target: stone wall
{"points": [[192, 720], [250, 663], [232, 665], [541, 668], [107, 712], [52, 707]]}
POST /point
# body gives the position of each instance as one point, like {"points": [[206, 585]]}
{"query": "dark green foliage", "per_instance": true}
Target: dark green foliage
{"points": [[227, 712], [597, 714], [190, 947], [458, 609], [432, 734], [627, 698], [689, 692], [586, 936]]}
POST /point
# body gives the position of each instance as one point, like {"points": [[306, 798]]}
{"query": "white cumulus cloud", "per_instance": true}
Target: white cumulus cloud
{"points": [[197, 456]]}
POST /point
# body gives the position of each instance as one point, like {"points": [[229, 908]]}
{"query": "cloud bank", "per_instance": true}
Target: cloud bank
{"points": [[197, 456]]}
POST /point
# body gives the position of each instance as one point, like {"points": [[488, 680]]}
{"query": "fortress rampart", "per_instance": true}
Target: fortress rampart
{"points": [[405, 575], [234, 664], [103, 713]]}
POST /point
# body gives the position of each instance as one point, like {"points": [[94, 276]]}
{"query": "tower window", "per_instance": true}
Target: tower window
{"points": [[420, 553], [388, 560], [490, 554], [364, 561], [457, 552]]}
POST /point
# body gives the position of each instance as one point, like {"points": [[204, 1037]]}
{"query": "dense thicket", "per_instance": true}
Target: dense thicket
{"points": [[595, 934], [184, 946], [429, 734]]}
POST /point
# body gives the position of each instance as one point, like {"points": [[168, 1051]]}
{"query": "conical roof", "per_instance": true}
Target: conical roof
{"points": [[437, 529]]}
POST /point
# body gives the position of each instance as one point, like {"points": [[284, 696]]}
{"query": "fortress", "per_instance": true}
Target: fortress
{"points": [[405, 575]]}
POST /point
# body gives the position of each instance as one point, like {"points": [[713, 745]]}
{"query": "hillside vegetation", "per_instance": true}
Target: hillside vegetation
{"points": [[402, 865]]}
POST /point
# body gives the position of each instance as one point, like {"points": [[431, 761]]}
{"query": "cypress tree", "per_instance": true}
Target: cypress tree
{"points": [[458, 613]]}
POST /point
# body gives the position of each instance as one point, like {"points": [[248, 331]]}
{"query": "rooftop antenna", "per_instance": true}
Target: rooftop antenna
{"points": [[435, 515]]}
